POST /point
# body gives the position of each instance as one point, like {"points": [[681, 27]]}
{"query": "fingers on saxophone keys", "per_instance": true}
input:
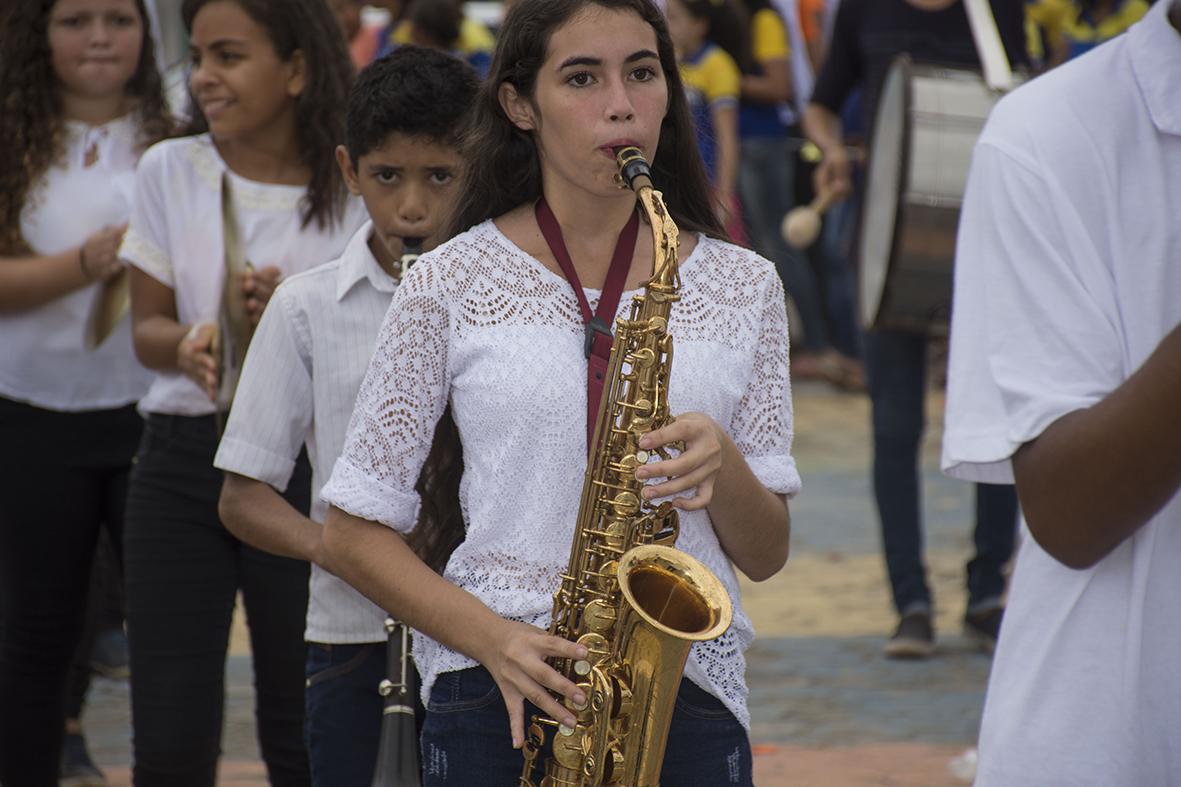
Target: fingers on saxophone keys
{"points": [[546, 703], [550, 678]]}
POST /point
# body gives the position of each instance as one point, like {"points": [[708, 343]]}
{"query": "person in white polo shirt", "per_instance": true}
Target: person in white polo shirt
{"points": [[1066, 376], [304, 368]]}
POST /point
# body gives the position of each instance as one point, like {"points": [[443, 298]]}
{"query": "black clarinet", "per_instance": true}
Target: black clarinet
{"points": [[397, 755], [411, 251]]}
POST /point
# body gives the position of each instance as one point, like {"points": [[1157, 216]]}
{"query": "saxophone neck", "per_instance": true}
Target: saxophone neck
{"points": [[636, 174], [665, 241]]}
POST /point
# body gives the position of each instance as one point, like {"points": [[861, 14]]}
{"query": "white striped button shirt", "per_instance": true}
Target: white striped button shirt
{"points": [[299, 382]]}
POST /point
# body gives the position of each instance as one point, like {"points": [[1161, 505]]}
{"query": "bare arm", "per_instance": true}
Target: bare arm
{"points": [[753, 524], [1095, 476], [773, 86], [823, 127], [32, 281], [256, 513], [377, 562], [164, 344]]}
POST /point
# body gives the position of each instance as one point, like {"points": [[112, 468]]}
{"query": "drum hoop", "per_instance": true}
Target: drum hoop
{"points": [[904, 62]]}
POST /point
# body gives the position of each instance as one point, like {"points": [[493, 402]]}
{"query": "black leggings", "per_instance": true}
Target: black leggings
{"points": [[183, 572], [63, 476]]}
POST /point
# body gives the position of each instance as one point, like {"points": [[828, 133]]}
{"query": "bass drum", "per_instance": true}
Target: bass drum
{"points": [[927, 122]]}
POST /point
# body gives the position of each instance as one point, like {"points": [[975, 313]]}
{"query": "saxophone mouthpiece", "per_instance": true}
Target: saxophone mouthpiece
{"points": [[633, 167]]}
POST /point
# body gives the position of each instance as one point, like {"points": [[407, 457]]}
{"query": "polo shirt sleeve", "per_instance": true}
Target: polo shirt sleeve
{"points": [[146, 242], [1035, 329], [273, 405], [762, 424], [769, 37], [404, 393], [722, 79]]}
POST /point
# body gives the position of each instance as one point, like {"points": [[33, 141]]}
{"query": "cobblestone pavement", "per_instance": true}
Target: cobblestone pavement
{"points": [[826, 708]]}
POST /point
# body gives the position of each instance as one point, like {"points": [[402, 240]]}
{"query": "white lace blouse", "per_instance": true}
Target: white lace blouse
{"points": [[482, 324]]}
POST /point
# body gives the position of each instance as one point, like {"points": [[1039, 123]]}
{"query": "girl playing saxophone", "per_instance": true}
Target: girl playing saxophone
{"points": [[490, 329]]}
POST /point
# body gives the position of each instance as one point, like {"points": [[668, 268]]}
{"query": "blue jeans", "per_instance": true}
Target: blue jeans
{"points": [[836, 252], [766, 184], [466, 738], [343, 712], [897, 366]]}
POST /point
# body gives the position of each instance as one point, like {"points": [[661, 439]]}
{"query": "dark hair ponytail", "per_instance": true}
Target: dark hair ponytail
{"points": [[440, 527]]}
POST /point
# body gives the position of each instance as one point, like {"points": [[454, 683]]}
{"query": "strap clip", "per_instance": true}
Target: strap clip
{"points": [[595, 324]]}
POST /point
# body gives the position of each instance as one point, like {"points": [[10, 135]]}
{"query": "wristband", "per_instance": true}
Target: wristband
{"points": [[82, 263]]}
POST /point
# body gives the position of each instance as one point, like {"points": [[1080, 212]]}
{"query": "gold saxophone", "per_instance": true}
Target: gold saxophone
{"points": [[632, 599]]}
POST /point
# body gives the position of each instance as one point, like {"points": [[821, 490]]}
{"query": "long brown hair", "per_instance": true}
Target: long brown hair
{"points": [[32, 127]]}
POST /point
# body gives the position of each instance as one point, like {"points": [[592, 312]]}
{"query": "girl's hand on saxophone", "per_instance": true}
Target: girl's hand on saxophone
{"points": [[696, 468], [518, 664]]}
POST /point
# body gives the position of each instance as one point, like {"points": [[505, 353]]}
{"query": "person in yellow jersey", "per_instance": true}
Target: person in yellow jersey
{"points": [[708, 39], [441, 24], [1071, 27]]}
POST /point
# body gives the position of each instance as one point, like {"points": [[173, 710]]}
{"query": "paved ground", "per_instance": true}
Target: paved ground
{"points": [[827, 709]]}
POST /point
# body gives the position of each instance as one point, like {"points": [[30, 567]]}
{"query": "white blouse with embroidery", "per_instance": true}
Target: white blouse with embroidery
{"points": [[481, 324], [45, 361], [176, 238]]}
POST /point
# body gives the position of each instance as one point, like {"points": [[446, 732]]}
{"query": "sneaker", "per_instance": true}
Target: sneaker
{"points": [[983, 628], [109, 657], [77, 769], [913, 639]]}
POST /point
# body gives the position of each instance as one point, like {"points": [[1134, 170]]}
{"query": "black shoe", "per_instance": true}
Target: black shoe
{"points": [[983, 628], [109, 657], [77, 769], [914, 638]]}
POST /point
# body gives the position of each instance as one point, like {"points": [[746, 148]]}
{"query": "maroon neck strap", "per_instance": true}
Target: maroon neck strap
{"points": [[597, 345]]}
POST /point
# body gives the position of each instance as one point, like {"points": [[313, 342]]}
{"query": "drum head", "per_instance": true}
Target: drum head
{"points": [[883, 189]]}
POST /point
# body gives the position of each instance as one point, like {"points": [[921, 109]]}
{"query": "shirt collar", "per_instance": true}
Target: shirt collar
{"points": [[358, 263], [1155, 50]]}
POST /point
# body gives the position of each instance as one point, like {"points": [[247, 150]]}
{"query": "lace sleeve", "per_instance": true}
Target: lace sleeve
{"points": [[401, 399], [762, 423]]}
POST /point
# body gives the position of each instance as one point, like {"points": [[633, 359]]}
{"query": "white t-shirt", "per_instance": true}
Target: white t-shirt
{"points": [[299, 383], [43, 357], [480, 323], [176, 238], [1068, 275]]}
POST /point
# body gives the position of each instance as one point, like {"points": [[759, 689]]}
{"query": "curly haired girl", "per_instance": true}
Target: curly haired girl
{"points": [[80, 99]]}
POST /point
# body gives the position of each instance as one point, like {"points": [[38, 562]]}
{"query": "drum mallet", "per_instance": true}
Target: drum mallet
{"points": [[801, 226]]}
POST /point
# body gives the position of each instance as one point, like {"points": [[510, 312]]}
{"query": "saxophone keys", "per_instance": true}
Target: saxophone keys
{"points": [[586, 690], [626, 504], [599, 617], [596, 651]]}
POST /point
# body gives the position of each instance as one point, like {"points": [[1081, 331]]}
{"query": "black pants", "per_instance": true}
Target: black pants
{"points": [[63, 476], [183, 572]]}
